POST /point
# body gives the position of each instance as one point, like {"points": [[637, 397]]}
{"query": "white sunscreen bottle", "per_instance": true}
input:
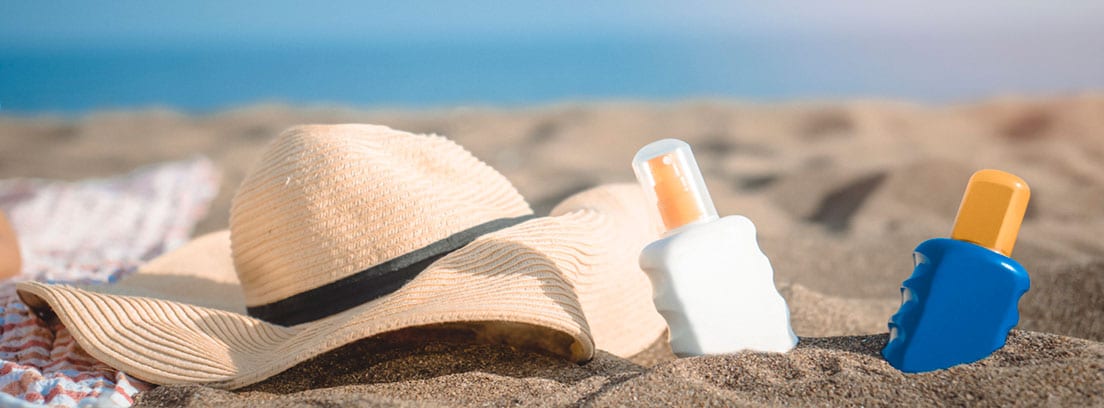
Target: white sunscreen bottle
{"points": [[711, 281]]}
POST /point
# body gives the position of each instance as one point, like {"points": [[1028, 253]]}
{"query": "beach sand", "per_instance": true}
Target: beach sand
{"points": [[841, 192]]}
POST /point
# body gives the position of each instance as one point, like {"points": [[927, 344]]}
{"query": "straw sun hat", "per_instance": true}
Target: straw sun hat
{"points": [[345, 232]]}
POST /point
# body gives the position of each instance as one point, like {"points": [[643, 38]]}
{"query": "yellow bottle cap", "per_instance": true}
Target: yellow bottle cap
{"points": [[673, 183], [991, 211]]}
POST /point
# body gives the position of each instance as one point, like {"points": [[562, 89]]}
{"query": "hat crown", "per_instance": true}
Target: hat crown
{"points": [[326, 202]]}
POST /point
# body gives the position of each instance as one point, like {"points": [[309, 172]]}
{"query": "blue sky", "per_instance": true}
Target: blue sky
{"points": [[69, 23]]}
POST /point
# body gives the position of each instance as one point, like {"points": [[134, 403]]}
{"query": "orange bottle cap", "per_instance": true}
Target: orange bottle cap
{"points": [[673, 183], [992, 210]]}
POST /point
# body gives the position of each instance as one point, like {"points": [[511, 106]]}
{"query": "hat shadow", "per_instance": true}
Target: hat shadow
{"points": [[500, 348]]}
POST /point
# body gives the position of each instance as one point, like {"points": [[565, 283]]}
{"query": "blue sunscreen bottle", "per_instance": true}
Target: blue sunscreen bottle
{"points": [[961, 300]]}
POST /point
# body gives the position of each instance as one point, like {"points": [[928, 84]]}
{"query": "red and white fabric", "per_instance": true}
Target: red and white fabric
{"points": [[87, 231]]}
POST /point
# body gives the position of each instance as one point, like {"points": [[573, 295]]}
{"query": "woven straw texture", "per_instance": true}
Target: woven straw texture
{"points": [[329, 201], [622, 317], [326, 201]]}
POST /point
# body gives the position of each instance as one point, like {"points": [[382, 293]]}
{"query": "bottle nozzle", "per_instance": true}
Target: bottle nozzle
{"points": [[992, 210], [673, 183]]}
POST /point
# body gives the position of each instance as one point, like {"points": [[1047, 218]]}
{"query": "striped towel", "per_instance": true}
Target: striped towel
{"points": [[87, 231]]}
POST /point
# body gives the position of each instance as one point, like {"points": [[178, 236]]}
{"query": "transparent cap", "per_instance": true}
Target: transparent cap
{"points": [[673, 183]]}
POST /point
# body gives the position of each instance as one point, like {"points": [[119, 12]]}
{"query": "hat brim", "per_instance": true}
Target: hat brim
{"points": [[534, 285]]}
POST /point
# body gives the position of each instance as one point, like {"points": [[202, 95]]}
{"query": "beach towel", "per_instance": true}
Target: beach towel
{"points": [[92, 231]]}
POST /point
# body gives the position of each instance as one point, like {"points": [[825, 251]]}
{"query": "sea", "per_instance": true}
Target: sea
{"points": [[209, 77]]}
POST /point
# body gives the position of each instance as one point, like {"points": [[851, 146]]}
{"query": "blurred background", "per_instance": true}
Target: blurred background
{"points": [[200, 56]]}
